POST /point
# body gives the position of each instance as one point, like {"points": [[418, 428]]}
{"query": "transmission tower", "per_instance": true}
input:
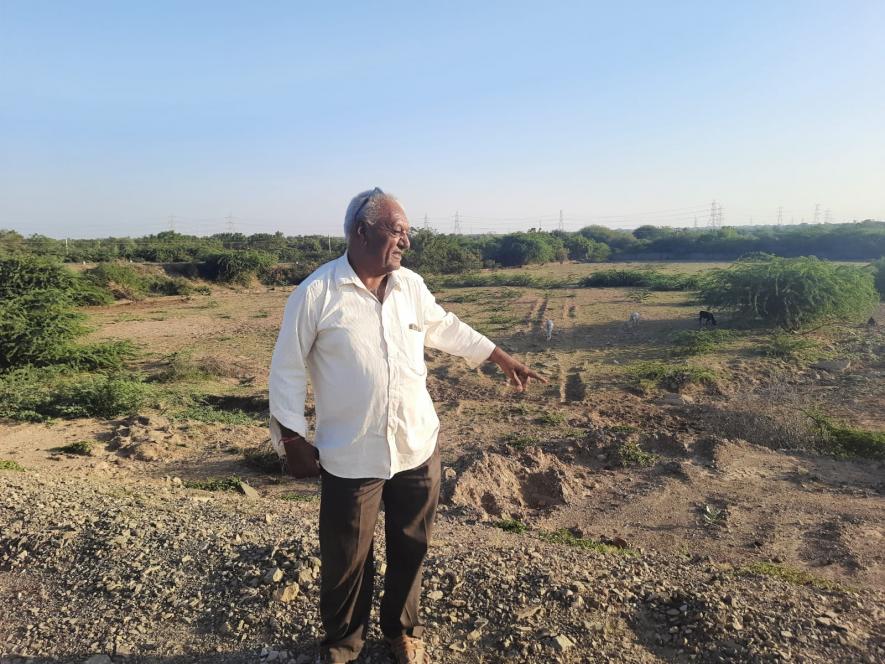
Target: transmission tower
{"points": [[172, 222], [817, 213], [457, 227], [561, 222], [828, 216], [426, 226], [230, 223], [712, 222], [780, 215]]}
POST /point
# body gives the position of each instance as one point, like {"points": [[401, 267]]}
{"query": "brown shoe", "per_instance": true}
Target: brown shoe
{"points": [[408, 650]]}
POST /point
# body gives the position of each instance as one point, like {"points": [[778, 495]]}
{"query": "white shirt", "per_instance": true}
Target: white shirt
{"points": [[365, 359]]}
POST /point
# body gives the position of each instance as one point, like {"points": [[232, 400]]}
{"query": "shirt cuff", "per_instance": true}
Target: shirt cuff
{"points": [[480, 352], [276, 433]]}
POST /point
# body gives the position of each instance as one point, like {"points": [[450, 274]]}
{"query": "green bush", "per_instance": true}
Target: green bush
{"points": [[37, 394], [650, 279], [22, 274], [98, 356], [129, 283], [36, 327], [791, 292], [15, 466], [237, 267]]}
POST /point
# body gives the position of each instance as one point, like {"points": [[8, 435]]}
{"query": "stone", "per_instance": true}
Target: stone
{"points": [[273, 575], [674, 399], [287, 593], [562, 643], [249, 491], [832, 366], [98, 659]]}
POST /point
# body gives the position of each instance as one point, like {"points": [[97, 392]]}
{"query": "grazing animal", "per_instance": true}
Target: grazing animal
{"points": [[548, 327], [871, 322], [633, 320], [706, 318]]}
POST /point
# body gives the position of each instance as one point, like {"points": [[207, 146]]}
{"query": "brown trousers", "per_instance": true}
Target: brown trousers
{"points": [[348, 513]]}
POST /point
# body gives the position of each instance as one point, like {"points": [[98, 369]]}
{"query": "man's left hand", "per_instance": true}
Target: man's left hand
{"points": [[517, 373]]}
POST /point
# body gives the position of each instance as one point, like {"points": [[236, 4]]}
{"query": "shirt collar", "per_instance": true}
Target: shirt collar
{"points": [[345, 274]]}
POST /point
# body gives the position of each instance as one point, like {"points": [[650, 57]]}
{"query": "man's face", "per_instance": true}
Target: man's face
{"points": [[388, 238]]}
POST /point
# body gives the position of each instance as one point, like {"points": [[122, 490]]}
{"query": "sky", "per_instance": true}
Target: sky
{"points": [[130, 118]]}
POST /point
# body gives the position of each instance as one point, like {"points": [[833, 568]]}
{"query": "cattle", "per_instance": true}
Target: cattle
{"points": [[706, 318], [548, 328], [633, 320]]}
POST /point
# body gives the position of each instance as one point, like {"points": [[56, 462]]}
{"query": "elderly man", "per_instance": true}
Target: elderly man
{"points": [[358, 327]]}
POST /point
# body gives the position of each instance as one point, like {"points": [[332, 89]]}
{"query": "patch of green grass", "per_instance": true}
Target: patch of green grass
{"points": [[846, 441], [552, 417], [230, 483], [785, 346], [790, 575], [511, 526], [81, 447], [565, 537], [630, 454], [261, 314], [672, 376], [296, 497], [7, 464], [520, 441], [264, 458], [211, 415], [623, 428], [698, 342]]}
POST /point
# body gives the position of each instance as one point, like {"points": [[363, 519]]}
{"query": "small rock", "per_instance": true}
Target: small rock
{"points": [[287, 593], [562, 643], [249, 491], [98, 659], [273, 575]]}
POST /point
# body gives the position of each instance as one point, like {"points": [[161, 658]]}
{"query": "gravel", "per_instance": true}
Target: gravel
{"points": [[98, 573]]}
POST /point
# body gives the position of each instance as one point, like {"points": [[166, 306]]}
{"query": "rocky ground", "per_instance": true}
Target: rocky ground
{"points": [[156, 572]]}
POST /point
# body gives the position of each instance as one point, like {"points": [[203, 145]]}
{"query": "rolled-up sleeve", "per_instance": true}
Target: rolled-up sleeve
{"points": [[287, 384], [446, 332]]}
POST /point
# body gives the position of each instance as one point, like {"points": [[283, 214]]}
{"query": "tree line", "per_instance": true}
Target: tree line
{"points": [[439, 253]]}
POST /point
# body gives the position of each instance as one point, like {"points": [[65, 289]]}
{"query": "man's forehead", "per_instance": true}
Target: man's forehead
{"points": [[395, 214]]}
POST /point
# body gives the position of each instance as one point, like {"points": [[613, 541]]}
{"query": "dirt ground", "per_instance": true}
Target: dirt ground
{"points": [[696, 495]]}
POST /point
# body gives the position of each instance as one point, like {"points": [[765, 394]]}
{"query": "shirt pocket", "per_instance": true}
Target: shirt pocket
{"points": [[413, 347]]}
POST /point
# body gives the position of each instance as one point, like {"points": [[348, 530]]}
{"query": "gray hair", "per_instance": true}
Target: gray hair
{"points": [[364, 207]]}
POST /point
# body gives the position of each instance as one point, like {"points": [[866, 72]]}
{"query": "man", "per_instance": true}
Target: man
{"points": [[358, 327]]}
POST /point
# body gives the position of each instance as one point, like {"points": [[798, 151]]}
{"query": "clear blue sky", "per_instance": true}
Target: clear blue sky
{"points": [[115, 115]]}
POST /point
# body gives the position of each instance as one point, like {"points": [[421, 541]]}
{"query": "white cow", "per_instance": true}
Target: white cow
{"points": [[548, 327], [633, 320]]}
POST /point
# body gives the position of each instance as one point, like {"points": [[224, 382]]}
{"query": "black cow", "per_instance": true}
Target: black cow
{"points": [[706, 318]]}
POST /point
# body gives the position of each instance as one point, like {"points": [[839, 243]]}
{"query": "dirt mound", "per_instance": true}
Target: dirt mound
{"points": [[145, 438], [496, 484]]}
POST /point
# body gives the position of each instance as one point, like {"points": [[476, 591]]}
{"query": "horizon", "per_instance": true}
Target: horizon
{"points": [[216, 116]]}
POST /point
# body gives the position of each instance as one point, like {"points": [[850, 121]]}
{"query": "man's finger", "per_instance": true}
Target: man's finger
{"points": [[534, 375], [515, 377]]}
